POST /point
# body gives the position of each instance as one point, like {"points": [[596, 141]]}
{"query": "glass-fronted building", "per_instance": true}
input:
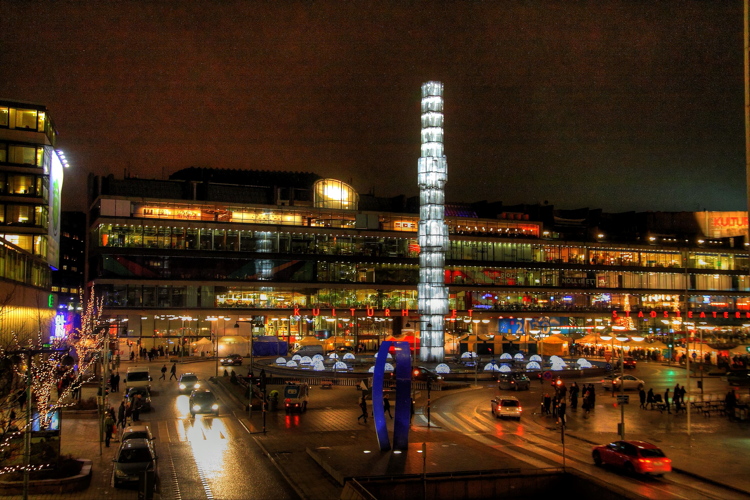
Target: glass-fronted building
{"points": [[31, 177], [178, 260]]}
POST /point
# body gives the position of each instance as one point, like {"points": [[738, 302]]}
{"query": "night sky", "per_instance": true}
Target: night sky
{"points": [[618, 105]]}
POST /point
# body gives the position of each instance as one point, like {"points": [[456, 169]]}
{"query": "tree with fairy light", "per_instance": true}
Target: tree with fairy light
{"points": [[58, 370]]}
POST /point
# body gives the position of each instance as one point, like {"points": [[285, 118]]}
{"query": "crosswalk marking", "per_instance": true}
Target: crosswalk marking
{"points": [[181, 435], [547, 453], [163, 431]]}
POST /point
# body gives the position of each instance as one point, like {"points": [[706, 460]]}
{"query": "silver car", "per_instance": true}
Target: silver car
{"points": [[627, 382], [506, 406]]}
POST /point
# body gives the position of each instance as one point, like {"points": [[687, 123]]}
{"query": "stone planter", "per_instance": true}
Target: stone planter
{"points": [[78, 482]]}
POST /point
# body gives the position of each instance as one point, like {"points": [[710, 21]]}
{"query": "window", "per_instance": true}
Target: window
{"points": [[25, 155], [4, 115], [20, 184], [26, 118], [20, 214]]}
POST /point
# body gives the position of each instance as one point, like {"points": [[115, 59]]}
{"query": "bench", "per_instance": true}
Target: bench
{"points": [[326, 384]]}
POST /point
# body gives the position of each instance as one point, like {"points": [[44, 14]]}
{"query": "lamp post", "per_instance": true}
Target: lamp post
{"points": [[622, 337]]}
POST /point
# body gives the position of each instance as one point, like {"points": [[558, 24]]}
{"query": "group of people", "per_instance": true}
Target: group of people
{"points": [[649, 399], [128, 413], [556, 404]]}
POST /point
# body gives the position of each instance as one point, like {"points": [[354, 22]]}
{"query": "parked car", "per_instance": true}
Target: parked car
{"points": [[138, 376], [627, 382], [136, 432], [132, 458], [188, 383], [295, 397], [506, 407], [133, 392], [203, 401], [513, 382], [232, 359], [633, 456]]}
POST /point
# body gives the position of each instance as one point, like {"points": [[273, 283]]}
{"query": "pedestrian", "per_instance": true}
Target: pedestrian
{"points": [[592, 397], [666, 400], [650, 398], [586, 405], [137, 405], [163, 372], [561, 412], [546, 403], [173, 371], [117, 381], [387, 406], [676, 393], [574, 396], [109, 424], [121, 414], [411, 414], [642, 397], [128, 414], [363, 407]]}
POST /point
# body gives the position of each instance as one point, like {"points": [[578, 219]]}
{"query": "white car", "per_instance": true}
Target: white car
{"points": [[506, 406], [627, 382]]}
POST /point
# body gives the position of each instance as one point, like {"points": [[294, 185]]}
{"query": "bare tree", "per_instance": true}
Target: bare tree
{"points": [[50, 374]]}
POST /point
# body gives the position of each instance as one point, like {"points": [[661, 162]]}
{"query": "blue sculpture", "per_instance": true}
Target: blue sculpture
{"points": [[402, 418]]}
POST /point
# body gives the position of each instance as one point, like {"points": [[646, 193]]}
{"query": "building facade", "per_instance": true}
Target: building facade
{"points": [[210, 250], [31, 177]]}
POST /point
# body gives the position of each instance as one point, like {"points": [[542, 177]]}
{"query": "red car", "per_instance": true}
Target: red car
{"points": [[629, 363], [633, 456]]}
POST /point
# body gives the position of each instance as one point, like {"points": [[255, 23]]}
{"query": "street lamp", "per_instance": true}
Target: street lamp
{"points": [[622, 337]]}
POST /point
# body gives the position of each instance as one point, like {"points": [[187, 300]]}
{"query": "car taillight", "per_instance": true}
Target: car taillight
{"points": [[644, 460], [520, 409], [287, 401]]}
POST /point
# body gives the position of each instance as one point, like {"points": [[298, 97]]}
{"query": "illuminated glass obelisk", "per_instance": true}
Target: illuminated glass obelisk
{"points": [[433, 232]]}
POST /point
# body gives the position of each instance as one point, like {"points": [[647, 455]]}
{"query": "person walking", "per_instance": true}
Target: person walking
{"points": [[121, 414], [173, 371], [666, 400], [650, 398], [592, 397], [387, 406], [574, 396], [363, 407], [163, 373], [642, 397], [109, 424]]}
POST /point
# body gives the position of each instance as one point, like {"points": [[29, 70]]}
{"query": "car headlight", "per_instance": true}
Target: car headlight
{"points": [[215, 406], [182, 386], [196, 407], [197, 386], [120, 473]]}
